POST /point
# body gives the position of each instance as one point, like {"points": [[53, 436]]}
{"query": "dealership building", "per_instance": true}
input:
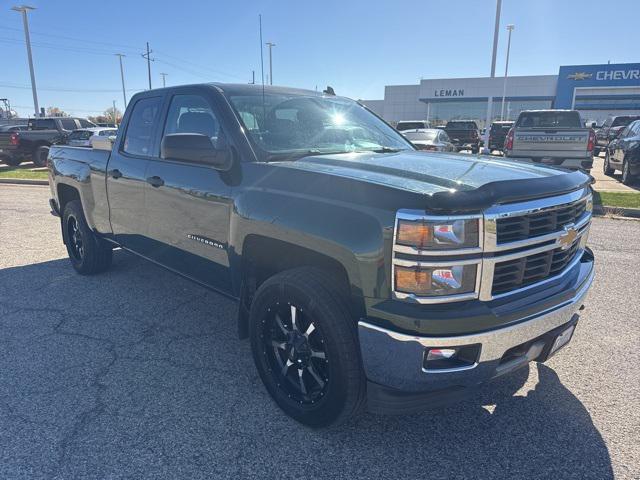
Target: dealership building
{"points": [[597, 91]]}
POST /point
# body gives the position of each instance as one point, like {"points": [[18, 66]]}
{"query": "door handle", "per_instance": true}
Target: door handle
{"points": [[155, 181], [115, 173]]}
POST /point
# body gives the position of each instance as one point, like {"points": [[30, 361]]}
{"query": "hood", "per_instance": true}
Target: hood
{"points": [[447, 178]]}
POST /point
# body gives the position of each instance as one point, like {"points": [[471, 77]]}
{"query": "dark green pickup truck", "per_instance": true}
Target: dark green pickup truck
{"points": [[367, 274]]}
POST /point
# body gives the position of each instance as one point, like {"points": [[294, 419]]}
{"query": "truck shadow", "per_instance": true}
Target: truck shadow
{"points": [[148, 366]]}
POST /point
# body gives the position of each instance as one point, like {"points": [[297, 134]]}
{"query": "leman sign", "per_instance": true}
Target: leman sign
{"points": [[449, 92]]}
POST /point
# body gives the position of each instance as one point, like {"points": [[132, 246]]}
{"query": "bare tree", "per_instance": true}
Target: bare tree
{"points": [[56, 112]]}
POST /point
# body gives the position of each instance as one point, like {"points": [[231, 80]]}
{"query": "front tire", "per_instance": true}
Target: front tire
{"points": [[305, 347], [40, 155], [88, 253], [606, 166]]}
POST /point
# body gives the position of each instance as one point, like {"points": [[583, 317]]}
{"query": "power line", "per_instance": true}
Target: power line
{"points": [[62, 89], [83, 40]]}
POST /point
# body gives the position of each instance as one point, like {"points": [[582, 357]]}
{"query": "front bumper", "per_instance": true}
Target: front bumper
{"points": [[393, 361]]}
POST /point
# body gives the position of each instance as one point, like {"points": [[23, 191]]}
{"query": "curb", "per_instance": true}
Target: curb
{"points": [[24, 181], [616, 211]]}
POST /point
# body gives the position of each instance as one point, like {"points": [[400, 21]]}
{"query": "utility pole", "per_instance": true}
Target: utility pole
{"points": [[506, 70], [23, 9], [124, 92], [149, 60], [253, 77], [115, 117], [164, 81], [270, 45], [496, 33]]}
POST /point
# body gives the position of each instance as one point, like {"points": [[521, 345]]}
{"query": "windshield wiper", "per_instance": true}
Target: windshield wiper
{"points": [[300, 154], [382, 150]]}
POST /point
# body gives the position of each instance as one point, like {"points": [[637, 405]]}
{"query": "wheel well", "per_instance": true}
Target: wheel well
{"points": [[65, 195], [263, 257]]}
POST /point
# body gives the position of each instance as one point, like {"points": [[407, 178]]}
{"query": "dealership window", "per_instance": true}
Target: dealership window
{"points": [[441, 112]]}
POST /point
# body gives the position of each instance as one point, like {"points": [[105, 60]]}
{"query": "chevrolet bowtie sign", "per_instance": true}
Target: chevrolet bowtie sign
{"points": [[579, 76]]}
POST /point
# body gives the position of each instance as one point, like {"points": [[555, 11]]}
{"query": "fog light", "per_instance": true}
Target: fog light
{"points": [[451, 358]]}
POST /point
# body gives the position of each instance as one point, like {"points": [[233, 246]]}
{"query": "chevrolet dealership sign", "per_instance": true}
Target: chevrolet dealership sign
{"points": [[571, 78]]}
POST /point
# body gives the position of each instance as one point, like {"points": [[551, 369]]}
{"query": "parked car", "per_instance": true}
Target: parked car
{"points": [[610, 129], [623, 153], [34, 143], [431, 139], [82, 137], [368, 275], [412, 125], [498, 134], [107, 125], [12, 128], [554, 137], [464, 134]]}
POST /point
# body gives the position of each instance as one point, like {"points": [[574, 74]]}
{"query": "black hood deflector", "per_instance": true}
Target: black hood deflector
{"points": [[511, 191]]}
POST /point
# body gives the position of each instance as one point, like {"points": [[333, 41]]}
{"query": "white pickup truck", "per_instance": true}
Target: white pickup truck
{"points": [[552, 137]]}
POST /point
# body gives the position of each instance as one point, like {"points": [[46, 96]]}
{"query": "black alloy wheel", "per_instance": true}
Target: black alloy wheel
{"points": [[606, 166], [76, 243], [294, 350]]}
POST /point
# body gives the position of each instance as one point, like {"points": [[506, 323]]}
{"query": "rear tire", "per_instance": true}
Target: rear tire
{"points": [[88, 253], [596, 152], [305, 347], [606, 167], [40, 155], [627, 178], [11, 161]]}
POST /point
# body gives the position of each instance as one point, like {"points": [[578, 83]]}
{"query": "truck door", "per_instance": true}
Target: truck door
{"points": [[126, 171], [618, 148], [188, 204]]}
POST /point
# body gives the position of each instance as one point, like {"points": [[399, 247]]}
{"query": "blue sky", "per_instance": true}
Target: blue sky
{"points": [[356, 46]]}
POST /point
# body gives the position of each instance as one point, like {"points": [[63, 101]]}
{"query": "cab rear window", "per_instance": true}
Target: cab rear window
{"points": [[549, 120]]}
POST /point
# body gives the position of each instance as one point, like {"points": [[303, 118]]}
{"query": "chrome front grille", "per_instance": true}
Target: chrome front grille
{"points": [[522, 227], [524, 245], [520, 272]]}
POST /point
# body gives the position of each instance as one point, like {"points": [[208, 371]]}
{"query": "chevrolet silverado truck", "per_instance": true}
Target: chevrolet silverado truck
{"points": [[553, 137], [367, 274], [33, 143]]}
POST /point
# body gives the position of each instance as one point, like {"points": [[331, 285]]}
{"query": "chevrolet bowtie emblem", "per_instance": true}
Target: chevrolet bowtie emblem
{"points": [[568, 237], [579, 76]]}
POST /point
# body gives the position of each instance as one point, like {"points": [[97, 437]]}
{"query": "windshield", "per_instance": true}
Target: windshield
{"points": [[622, 121], [461, 125], [425, 136], [289, 125]]}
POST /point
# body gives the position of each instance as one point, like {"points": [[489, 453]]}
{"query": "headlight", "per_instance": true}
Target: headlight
{"points": [[435, 280], [438, 234]]}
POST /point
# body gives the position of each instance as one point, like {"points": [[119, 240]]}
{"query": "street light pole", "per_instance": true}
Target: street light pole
{"points": [[164, 81], [124, 92], [270, 45], [506, 70], [115, 117], [23, 9], [496, 32]]}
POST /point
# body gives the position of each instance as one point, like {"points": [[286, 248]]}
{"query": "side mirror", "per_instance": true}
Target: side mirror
{"points": [[196, 148]]}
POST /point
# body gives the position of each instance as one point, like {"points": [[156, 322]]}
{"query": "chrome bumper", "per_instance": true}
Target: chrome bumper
{"points": [[395, 359]]}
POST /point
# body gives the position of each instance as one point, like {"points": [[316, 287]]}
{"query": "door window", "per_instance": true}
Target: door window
{"points": [[68, 123], [139, 137], [192, 114]]}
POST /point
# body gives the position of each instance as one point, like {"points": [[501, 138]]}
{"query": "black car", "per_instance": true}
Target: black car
{"points": [[610, 130], [498, 134], [13, 128], [623, 154]]}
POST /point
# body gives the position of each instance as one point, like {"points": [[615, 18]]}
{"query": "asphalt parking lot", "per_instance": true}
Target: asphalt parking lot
{"points": [[137, 373]]}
